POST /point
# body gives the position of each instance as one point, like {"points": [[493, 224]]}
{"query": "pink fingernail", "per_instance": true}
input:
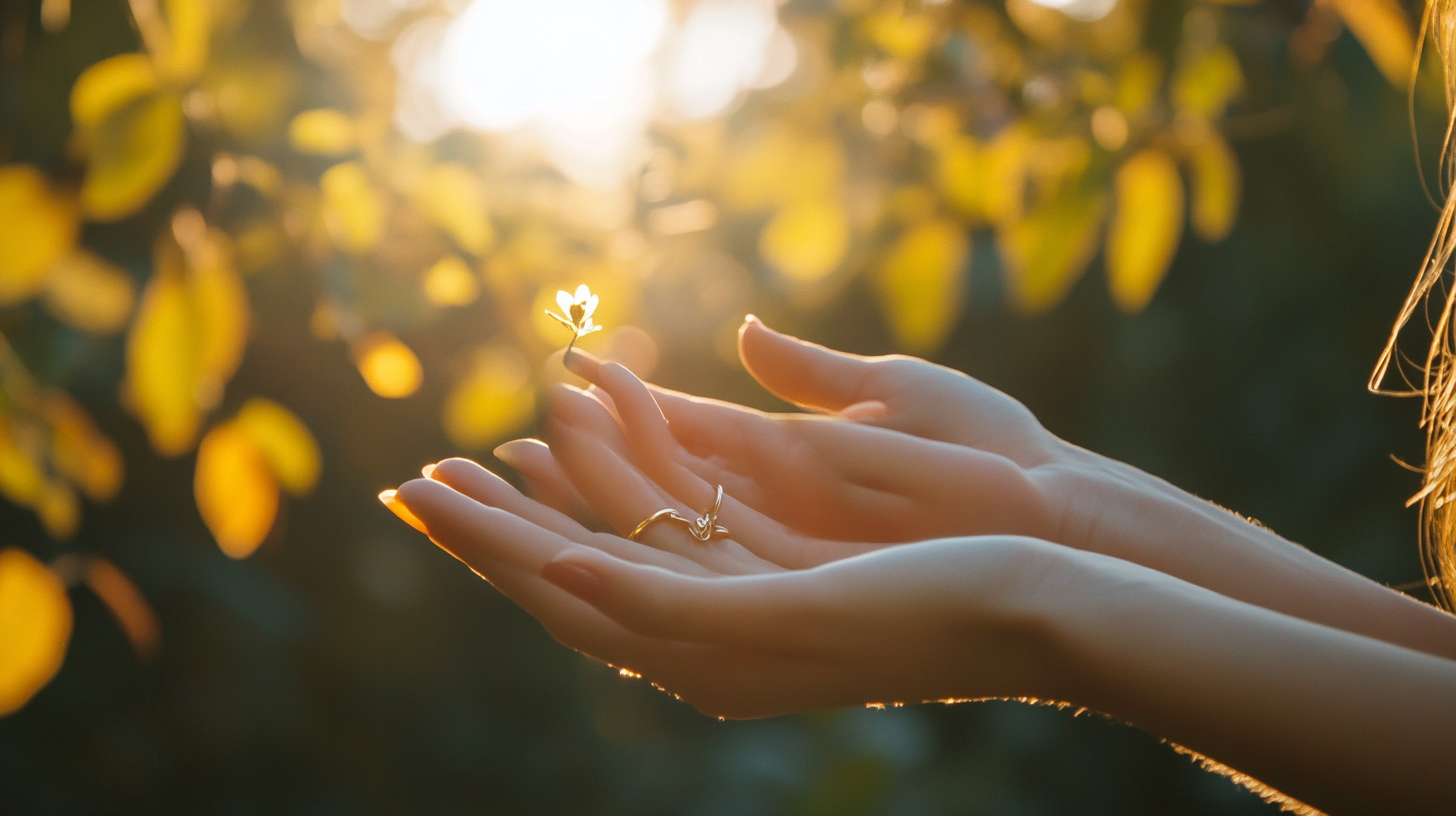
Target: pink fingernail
{"points": [[869, 409], [579, 362], [574, 578], [399, 508], [512, 452]]}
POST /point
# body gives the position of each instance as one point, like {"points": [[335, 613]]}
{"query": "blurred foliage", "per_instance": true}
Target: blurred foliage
{"points": [[210, 210]]}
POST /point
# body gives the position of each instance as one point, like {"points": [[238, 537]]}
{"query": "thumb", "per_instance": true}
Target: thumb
{"points": [[801, 372]]}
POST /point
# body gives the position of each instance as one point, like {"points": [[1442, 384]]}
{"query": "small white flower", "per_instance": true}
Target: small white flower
{"points": [[578, 311]]}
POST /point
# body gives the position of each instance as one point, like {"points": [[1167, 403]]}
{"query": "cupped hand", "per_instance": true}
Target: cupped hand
{"points": [[857, 475], [728, 630]]}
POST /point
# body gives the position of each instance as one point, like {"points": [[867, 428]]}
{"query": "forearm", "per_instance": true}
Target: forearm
{"points": [[1344, 722], [1121, 511]]}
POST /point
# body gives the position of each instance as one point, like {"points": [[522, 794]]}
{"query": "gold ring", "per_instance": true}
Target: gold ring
{"points": [[703, 528], [647, 522]]}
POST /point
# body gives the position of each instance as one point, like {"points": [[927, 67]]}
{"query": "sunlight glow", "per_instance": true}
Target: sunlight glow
{"points": [[1086, 11], [585, 76], [507, 62]]}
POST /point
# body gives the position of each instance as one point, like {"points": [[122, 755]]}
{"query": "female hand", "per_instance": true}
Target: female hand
{"points": [[942, 455], [720, 625], [723, 627]]}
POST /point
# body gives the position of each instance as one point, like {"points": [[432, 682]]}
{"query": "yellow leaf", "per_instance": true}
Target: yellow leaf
{"points": [[1004, 165], [807, 239], [1208, 82], [1215, 187], [162, 364], [353, 208], [110, 85], [1046, 252], [495, 400], [88, 292], [322, 132], [451, 283], [59, 511], [1146, 227], [21, 480], [961, 175], [920, 284], [251, 97], [451, 196], [79, 450], [235, 491], [285, 442], [37, 228], [1137, 83], [187, 340], [189, 24], [134, 153], [35, 627], [1383, 29], [902, 35], [388, 366], [220, 306]]}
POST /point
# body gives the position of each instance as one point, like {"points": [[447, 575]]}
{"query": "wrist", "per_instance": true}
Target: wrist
{"points": [[1009, 638]]}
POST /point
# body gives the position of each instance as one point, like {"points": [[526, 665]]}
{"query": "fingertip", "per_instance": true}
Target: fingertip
{"points": [[518, 452], [569, 404], [581, 363], [396, 505], [865, 411]]}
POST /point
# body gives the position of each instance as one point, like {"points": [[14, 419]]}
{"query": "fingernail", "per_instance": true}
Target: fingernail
{"points": [[399, 509], [511, 453], [574, 578], [427, 470], [869, 409], [580, 362], [569, 402]]}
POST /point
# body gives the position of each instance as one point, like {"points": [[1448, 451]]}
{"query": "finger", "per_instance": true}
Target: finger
{"points": [[474, 481], [717, 440], [801, 372], [655, 451], [478, 485], [774, 612], [532, 459], [653, 447], [479, 533], [625, 497]]}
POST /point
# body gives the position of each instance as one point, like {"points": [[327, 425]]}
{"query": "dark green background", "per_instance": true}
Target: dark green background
{"points": [[350, 667]]}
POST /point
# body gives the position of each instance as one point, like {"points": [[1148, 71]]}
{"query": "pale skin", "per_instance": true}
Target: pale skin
{"points": [[924, 538]]}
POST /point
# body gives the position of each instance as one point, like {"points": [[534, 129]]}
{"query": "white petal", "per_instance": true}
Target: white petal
{"points": [[563, 299], [582, 293], [591, 306]]}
